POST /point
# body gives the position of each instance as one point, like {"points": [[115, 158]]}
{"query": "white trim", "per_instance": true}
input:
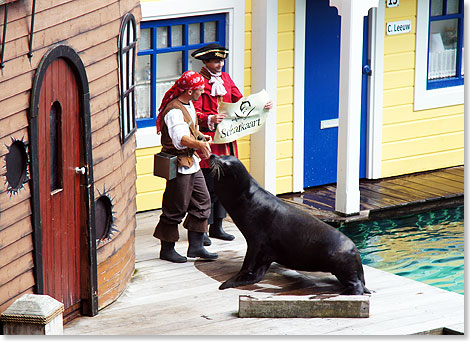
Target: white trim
{"points": [[331, 123], [299, 96], [349, 132], [147, 137], [375, 88], [235, 39], [435, 98], [264, 76]]}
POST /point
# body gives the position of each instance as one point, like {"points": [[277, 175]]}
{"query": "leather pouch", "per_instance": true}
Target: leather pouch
{"points": [[165, 165]]}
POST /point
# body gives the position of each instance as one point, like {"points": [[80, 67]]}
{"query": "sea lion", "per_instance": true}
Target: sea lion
{"points": [[276, 231]]}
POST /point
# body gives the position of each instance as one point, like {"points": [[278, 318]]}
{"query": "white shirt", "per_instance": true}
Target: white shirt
{"points": [[177, 128]]}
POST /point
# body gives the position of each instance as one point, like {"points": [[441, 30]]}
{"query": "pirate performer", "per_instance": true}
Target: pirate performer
{"points": [[218, 87], [187, 193]]}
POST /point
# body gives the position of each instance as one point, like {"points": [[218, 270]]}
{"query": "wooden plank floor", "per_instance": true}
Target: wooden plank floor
{"points": [[415, 192], [183, 299]]}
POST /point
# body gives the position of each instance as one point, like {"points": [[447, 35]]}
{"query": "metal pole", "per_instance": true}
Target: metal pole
{"points": [[30, 53], [5, 18]]}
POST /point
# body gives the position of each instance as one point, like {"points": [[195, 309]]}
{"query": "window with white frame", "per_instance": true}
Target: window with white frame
{"points": [[165, 48], [127, 53], [445, 56], [439, 71]]}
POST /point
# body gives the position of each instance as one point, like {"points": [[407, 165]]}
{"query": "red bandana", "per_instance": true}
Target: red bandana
{"points": [[190, 80]]}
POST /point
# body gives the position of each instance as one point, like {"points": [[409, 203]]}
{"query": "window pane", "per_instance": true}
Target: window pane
{"points": [[443, 49], [124, 38], [169, 69], [210, 31], [131, 67], [162, 37], [436, 7], [143, 87], [194, 33], [131, 32], [194, 64], [462, 71], [452, 6], [144, 39], [124, 85], [177, 35], [129, 112], [125, 116], [169, 66], [54, 140]]}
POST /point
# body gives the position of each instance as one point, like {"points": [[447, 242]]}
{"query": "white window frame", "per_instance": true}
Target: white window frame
{"points": [[434, 98], [235, 40]]}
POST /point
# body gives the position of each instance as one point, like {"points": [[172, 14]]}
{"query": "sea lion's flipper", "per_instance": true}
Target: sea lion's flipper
{"points": [[253, 269], [244, 277]]}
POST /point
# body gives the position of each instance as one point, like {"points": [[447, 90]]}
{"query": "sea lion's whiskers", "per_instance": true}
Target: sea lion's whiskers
{"points": [[216, 170]]}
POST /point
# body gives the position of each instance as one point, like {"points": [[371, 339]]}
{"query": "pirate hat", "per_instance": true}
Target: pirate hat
{"points": [[210, 51]]}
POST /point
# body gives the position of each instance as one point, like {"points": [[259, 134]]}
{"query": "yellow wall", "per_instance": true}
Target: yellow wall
{"points": [[414, 141], [244, 143], [149, 187], [285, 96]]}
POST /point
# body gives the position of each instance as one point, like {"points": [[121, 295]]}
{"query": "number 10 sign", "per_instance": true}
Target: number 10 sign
{"points": [[393, 3]]}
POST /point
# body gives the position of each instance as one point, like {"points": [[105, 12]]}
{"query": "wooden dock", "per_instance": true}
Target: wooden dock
{"points": [[390, 197], [164, 298]]}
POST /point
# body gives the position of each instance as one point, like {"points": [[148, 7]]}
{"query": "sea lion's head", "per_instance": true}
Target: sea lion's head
{"points": [[229, 172]]}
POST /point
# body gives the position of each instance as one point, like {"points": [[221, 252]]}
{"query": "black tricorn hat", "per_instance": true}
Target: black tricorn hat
{"points": [[210, 51]]}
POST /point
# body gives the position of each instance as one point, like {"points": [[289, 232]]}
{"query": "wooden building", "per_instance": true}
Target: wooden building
{"points": [[354, 94], [67, 150]]}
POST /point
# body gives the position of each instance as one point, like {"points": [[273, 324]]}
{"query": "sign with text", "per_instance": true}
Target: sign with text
{"points": [[398, 27], [243, 118], [393, 3]]}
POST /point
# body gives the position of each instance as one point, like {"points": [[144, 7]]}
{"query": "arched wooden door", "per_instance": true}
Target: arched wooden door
{"points": [[61, 202]]}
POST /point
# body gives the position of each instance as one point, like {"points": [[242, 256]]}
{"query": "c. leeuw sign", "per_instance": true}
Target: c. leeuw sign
{"points": [[398, 27], [243, 118]]}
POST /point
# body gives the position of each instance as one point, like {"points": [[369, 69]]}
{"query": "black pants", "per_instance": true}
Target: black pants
{"points": [[187, 193], [217, 210]]}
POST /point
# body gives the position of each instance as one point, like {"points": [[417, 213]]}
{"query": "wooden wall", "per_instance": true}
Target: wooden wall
{"points": [[91, 28]]}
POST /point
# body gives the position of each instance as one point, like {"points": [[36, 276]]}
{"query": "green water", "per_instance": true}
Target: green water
{"points": [[427, 247]]}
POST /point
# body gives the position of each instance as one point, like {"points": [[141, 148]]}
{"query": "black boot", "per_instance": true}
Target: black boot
{"points": [[207, 241], [168, 252], [196, 247], [216, 231]]}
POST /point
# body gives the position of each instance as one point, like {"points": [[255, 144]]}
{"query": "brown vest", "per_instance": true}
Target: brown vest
{"points": [[184, 155]]}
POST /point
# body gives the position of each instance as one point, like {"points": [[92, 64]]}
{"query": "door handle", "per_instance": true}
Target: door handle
{"points": [[80, 170], [366, 70]]}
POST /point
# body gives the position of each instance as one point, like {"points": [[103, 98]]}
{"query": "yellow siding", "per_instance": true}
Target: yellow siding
{"points": [[414, 141], [244, 143], [285, 113], [149, 187], [285, 96]]}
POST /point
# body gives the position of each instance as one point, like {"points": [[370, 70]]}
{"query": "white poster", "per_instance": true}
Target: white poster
{"points": [[243, 118]]}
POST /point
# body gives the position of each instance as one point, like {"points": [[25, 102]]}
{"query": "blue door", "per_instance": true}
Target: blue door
{"points": [[322, 61]]}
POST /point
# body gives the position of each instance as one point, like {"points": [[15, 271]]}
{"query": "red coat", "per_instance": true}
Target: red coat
{"points": [[207, 105]]}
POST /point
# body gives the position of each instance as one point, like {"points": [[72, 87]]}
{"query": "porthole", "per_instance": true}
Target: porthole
{"points": [[16, 166], [104, 219]]}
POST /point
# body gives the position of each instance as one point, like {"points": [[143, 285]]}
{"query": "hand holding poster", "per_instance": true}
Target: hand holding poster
{"points": [[243, 118]]}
